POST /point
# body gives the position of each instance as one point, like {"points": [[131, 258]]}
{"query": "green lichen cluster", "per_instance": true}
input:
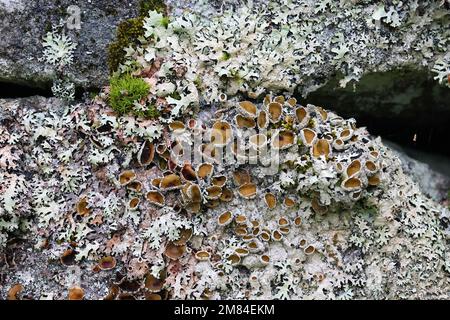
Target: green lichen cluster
{"points": [[129, 32], [125, 90]]}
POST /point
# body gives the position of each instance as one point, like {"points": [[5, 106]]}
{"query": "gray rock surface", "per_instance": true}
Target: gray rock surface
{"points": [[431, 172], [25, 22]]}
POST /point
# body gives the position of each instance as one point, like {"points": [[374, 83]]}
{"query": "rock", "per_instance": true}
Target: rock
{"points": [[347, 223], [25, 22], [350, 39], [432, 173], [398, 105], [389, 244]]}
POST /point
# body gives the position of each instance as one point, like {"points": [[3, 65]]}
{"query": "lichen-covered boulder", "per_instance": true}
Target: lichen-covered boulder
{"points": [[193, 176], [89, 198], [303, 44], [367, 37]]}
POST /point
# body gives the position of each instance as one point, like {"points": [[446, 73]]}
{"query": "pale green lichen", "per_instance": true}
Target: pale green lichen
{"points": [[58, 52], [58, 49], [261, 58]]}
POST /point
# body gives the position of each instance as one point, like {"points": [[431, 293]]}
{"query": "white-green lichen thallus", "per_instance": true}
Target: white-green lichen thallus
{"points": [[339, 220], [197, 175]]}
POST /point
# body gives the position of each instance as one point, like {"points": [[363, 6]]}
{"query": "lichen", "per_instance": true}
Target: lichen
{"points": [[322, 243], [58, 52], [58, 49], [130, 33], [220, 197]]}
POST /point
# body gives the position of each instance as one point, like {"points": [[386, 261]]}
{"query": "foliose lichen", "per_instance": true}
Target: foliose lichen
{"points": [[130, 33], [118, 196], [286, 46], [143, 211], [58, 52]]}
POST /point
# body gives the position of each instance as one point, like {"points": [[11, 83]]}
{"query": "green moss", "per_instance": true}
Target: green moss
{"points": [[128, 33], [146, 5], [225, 56], [165, 22], [151, 113], [198, 82], [124, 91]]}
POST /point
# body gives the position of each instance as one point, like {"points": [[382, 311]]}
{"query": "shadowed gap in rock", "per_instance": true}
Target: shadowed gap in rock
{"points": [[11, 90], [406, 106]]}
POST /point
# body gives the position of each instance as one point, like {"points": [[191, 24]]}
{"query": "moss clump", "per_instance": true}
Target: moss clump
{"points": [[150, 113], [225, 56], [146, 5], [124, 91], [128, 33]]}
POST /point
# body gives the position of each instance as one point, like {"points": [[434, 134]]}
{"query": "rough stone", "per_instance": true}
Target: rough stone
{"points": [[431, 172], [24, 23], [358, 253]]}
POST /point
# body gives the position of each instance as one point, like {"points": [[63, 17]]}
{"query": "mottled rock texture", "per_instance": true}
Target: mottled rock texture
{"points": [[406, 35], [25, 22], [432, 173]]}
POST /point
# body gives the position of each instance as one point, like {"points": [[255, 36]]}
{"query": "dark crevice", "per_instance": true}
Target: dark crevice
{"points": [[10, 90], [405, 106]]}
